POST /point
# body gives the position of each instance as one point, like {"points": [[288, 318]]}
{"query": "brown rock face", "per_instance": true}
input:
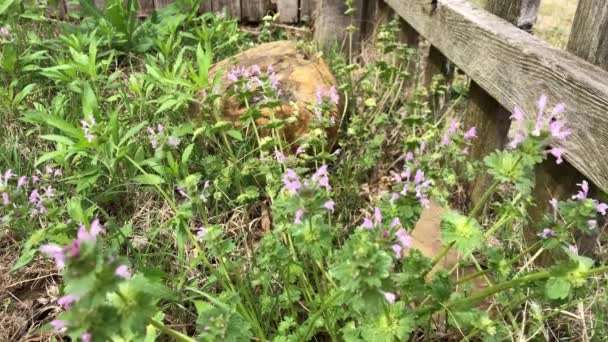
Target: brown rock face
{"points": [[299, 78]]}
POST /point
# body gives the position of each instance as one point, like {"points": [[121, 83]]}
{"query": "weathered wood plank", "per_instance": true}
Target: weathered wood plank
{"points": [[306, 10], [330, 23], [516, 67], [253, 10], [288, 10], [588, 38], [232, 8], [158, 4], [145, 7]]}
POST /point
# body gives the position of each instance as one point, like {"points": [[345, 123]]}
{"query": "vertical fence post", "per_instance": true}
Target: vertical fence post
{"points": [[330, 22], [588, 40], [483, 111]]}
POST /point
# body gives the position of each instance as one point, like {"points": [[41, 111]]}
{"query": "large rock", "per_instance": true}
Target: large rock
{"points": [[299, 76]]}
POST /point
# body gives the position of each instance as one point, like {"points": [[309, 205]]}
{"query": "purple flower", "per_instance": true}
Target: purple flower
{"points": [[419, 177], [321, 176], [333, 95], [329, 205], [180, 190], [573, 249], [86, 337], [173, 142], [91, 234], [557, 131], [377, 216], [123, 272], [592, 224], [397, 249], [446, 140], [519, 137], [201, 233], [517, 115], [255, 69], [390, 297], [582, 194], [404, 239], [471, 133], [298, 218], [394, 197], [557, 153], [5, 31], [395, 222], [553, 203], [21, 182], [409, 156], [5, 199], [58, 324], [55, 252], [280, 156], [300, 150], [66, 301], [291, 181], [367, 223], [8, 174], [547, 233], [601, 208]]}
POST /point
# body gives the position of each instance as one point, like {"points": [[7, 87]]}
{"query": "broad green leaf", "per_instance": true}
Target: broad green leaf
{"points": [[148, 179], [464, 232], [58, 138], [186, 154], [23, 93], [5, 5], [557, 288], [235, 134], [130, 133]]}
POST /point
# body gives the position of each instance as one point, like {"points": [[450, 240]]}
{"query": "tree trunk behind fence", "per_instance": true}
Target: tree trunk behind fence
{"points": [[484, 112]]}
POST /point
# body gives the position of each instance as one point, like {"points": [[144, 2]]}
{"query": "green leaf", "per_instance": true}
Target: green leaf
{"points": [[235, 134], [130, 133], [148, 179], [5, 5], [557, 288], [23, 93], [186, 154], [58, 138], [64, 126], [464, 232]]}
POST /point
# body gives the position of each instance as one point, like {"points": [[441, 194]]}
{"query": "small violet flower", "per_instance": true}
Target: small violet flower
{"points": [[582, 194], [601, 208], [329, 205], [390, 297], [298, 218], [66, 301], [173, 142], [201, 233], [470, 134], [58, 324], [123, 272], [547, 233]]}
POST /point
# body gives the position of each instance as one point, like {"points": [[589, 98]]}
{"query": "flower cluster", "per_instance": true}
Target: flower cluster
{"points": [[72, 250], [543, 123], [5, 32], [403, 240], [39, 193], [319, 180], [62, 255], [419, 185], [253, 78], [325, 99], [87, 126], [156, 137]]}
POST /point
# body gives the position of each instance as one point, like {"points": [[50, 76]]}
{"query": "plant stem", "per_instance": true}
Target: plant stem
{"points": [[176, 335]]}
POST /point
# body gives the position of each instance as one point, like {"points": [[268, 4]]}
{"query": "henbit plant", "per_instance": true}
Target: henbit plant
{"points": [[147, 211]]}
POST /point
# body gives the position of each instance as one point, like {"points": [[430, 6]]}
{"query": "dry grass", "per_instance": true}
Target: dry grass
{"points": [[555, 19]]}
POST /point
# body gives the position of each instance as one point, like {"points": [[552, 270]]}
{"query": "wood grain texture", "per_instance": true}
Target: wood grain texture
{"points": [[158, 4], [145, 7], [589, 36], [253, 10], [521, 13], [306, 10], [231, 7], [516, 68], [483, 111], [330, 22], [288, 10]]}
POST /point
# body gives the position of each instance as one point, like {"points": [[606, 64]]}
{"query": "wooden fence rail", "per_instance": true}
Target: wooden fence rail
{"points": [[292, 11], [515, 68]]}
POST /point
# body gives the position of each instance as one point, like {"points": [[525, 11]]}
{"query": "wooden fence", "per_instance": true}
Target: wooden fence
{"points": [[510, 67], [292, 11]]}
